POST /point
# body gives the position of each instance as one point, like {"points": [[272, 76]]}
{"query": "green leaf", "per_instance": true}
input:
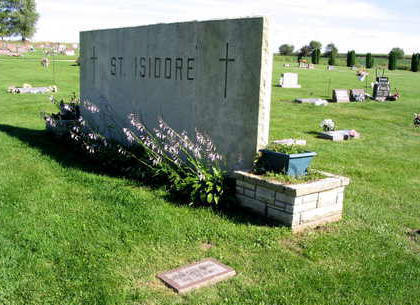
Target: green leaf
{"points": [[209, 198]]}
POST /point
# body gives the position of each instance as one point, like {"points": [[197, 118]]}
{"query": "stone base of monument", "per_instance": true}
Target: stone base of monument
{"points": [[298, 206], [339, 135]]}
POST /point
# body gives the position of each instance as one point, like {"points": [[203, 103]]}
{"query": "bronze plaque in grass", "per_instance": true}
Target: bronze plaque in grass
{"points": [[196, 275]]}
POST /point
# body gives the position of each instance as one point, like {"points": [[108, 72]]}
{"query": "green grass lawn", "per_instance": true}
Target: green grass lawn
{"points": [[71, 235]]}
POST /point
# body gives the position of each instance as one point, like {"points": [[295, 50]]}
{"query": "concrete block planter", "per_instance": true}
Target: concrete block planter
{"points": [[297, 206]]}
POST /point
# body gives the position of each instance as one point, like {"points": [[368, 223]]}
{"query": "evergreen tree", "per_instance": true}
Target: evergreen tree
{"points": [[316, 54], [8, 18], [28, 18], [331, 60], [351, 58], [415, 62], [392, 60], [369, 61], [18, 18]]}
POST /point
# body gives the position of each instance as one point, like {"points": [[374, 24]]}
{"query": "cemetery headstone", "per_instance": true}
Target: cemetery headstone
{"points": [[302, 65], [211, 76], [382, 88], [32, 90], [69, 52], [289, 80], [315, 101], [339, 135], [330, 68], [358, 95], [341, 96], [203, 273]]}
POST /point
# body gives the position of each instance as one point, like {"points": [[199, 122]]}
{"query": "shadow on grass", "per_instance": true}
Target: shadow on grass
{"points": [[68, 157], [313, 133], [43, 142]]}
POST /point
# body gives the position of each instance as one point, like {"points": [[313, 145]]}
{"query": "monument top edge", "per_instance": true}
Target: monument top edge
{"points": [[264, 19]]}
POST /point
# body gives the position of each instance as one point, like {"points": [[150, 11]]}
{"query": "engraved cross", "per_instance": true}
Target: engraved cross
{"points": [[226, 60], [94, 58]]}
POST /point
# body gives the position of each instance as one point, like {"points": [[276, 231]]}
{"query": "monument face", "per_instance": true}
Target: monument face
{"points": [[211, 76]]}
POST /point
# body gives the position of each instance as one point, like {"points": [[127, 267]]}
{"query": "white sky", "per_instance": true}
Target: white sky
{"points": [[363, 25]]}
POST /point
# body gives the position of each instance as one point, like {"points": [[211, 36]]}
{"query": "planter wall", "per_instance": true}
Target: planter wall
{"points": [[297, 205]]}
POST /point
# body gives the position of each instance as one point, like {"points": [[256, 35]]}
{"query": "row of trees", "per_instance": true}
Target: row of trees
{"points": [[307, 50], [313, 49], [18, 18], [393, 59]]}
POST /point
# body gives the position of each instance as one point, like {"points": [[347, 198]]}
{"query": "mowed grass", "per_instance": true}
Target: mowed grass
{"points": [[71, 235]]}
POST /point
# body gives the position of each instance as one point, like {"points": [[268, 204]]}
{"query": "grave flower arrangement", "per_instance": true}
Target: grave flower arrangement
{"points": [[327, 125], [416, 120]]}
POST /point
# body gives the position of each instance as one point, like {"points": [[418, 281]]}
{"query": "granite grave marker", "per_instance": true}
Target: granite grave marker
{"points": [[289, 80], [382, 88], [203, 273], [341, 96], [212, 76]]}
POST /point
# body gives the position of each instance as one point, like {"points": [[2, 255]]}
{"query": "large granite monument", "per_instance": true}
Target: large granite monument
{"points": [[213, 76]]}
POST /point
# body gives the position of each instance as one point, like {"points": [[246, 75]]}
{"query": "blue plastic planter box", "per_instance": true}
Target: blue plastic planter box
{"points": [[289, 164]]}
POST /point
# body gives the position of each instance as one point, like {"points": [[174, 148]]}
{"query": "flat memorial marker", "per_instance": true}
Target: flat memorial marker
{"points": [[196, 275], [339, 135]]}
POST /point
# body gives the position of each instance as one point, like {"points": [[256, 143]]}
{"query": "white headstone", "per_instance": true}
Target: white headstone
{"points": [[211, 76], [289, 80], [70, 52], [341, 96]]}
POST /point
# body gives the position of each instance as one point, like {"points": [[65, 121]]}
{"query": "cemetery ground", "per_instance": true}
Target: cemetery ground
{"points": [[71, 234]]}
